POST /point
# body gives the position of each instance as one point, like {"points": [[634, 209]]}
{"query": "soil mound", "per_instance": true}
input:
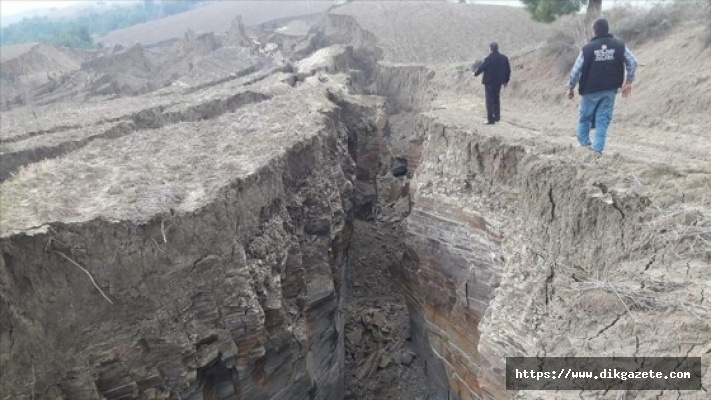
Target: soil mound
{"points": [[26, 68], [128, 71]]}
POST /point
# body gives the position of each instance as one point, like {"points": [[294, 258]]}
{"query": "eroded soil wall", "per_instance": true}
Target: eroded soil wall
{"points": [[241, 298], [513, 252]]}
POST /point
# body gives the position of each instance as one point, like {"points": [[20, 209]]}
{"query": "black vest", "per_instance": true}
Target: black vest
{"points": [[603, 64]]}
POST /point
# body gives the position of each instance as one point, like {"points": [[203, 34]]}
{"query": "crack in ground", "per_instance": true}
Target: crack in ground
{"points": [[601, 331], [380, 363]]}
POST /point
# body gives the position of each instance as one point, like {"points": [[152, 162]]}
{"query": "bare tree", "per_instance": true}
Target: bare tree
{"points": [[594, 9]]}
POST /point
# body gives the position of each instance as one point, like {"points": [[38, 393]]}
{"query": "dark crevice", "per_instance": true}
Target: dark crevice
{"points": [[651, 261], [601, 331]]}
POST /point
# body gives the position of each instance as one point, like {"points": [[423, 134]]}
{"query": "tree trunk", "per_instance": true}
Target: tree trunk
{"points": [[594, 9]]}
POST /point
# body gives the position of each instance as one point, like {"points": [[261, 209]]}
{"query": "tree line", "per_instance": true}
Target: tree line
{"points": [[81, 31]]}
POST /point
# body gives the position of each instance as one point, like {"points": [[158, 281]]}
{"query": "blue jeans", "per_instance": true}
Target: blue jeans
{"points": [[596, 105]]}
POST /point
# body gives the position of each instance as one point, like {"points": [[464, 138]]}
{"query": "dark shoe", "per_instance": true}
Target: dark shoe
{"points": [[490, 122], [497, 119]]}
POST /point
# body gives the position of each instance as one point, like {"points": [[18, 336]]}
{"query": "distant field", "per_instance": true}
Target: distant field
{"points": [[215, 17], [439, 32]]}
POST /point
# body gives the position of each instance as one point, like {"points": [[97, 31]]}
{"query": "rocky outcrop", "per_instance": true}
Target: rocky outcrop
{"points": [[237, 34], [515, 251], [40, 65]]}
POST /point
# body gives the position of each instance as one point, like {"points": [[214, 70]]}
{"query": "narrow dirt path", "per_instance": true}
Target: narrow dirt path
{"points": [[380, 363]]}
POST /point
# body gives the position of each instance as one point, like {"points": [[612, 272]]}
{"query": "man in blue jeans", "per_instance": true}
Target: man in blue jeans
{"points": [[600, 69]]}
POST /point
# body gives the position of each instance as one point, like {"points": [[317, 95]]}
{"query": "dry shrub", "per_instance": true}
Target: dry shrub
{"points": [[632, 25], [648, 295], [685, 230], [635, 26], [565, 43]]}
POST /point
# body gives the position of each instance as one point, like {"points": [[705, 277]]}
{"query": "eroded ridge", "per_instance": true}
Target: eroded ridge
{"points": [[516, 253], [220, 245]]}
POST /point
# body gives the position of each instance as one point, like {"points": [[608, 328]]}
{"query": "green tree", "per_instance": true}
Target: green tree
{"points": [[549, 10]]}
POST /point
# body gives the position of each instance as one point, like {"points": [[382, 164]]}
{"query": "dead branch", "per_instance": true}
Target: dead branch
{"points": [[162, 230], [87, 273], [157, 246]]}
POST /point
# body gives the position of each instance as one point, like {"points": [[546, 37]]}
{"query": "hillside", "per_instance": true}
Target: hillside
{"points": [[215, 17], [666, 113], [14, 51], [440, 32], [28, 66]]}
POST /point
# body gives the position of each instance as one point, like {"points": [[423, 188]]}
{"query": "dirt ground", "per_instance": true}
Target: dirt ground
{"points": [[380, 363], [658, 138]]}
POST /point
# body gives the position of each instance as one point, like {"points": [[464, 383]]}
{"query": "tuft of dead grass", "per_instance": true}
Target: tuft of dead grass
{"points": [[684, 229], [649, 296]]}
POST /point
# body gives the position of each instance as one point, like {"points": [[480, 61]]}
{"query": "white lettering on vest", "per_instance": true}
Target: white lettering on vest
{"points": [[604, 54]]}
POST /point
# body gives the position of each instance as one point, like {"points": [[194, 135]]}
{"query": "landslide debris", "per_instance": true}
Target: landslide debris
{"points": [[380, 361]]}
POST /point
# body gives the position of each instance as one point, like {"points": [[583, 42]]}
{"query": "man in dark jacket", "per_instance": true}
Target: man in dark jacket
{"points": [[600, 69], [497, 72]]}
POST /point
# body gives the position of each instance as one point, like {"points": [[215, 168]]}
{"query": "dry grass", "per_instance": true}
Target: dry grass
{"points": [[147, 173], [638, 26], [680, 235], [684, 229], [648, 295], [632, 25], [565, 43]]}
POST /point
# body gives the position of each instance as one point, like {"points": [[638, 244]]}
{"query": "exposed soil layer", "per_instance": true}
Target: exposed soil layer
{"points": [[204, 251]]}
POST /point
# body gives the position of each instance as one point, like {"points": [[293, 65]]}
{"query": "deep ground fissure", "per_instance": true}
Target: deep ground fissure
{"points": [[380, 359], [380, 362]]}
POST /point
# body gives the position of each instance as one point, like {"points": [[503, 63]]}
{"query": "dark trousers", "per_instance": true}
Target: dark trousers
{"points": [[493, 107]]}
